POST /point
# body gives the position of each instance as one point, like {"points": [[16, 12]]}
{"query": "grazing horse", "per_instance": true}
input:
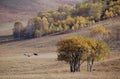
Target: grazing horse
{"points": [[35, 54], [27, 55]]}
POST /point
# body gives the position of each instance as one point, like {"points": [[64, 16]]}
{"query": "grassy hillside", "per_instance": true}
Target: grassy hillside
{"points": [[48, 42], [21, 9], [14, 65]]}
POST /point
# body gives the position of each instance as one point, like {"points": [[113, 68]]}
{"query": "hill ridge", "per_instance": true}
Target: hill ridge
{"points": [[20, 9]]}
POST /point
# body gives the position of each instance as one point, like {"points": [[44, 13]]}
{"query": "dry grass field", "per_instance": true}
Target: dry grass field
{"points": [[15, 65], [50, 68]]}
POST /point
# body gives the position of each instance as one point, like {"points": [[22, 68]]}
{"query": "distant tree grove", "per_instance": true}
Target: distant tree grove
{"points": [[67, 18], [76, 50]]}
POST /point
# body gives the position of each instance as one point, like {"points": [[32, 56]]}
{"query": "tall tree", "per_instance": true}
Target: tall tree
{"points": [[72, 50], [18, 30]]}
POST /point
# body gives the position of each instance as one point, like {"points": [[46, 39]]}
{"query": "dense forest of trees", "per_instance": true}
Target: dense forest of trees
{"points": [[67, 18]]}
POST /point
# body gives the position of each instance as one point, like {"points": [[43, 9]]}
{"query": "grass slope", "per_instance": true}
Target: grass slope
{"points": [[14, 65], [48, 42]]}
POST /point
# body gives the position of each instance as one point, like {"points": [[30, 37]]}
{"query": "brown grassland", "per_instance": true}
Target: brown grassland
{"points": [[15, 65]]}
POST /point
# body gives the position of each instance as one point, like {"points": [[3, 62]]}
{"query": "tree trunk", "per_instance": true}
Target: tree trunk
{"points": [[72, 67], [75, 65], [90, 65]]}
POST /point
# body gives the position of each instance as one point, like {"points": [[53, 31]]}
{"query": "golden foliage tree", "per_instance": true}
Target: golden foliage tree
{"points": [[115, 4], [66, 27], [81, 21], [53, 28], [60, 28], [108, 14], [90, 9], [75, 50], [71, 50], [101, 33], [70, 21], [98, 50], [35, 24], [45, 23]]}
